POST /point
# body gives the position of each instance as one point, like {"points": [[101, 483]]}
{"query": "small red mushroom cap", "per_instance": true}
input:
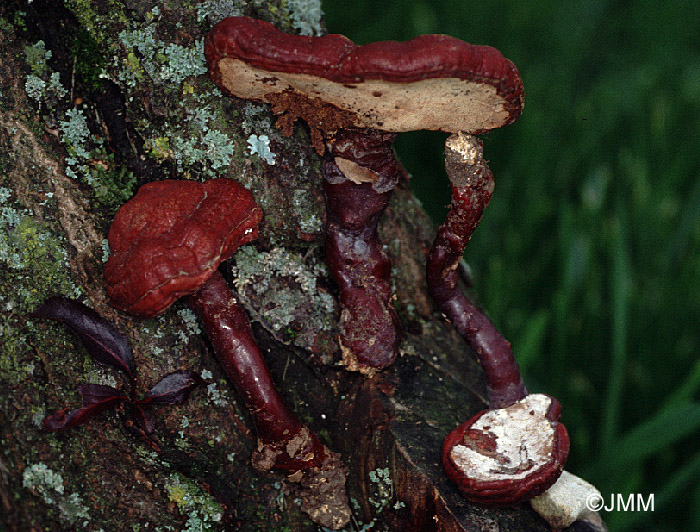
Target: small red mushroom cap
{"points": [[431, 82], [508, 455], [171, 237]]}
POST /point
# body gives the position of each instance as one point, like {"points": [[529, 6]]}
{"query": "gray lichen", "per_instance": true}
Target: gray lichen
{"points": [[35, 87], [88, 160], [165, 63], [305, 16], [202, 511], [260, 145], [280, 288], [191, 325], [214, 10], [50, 486], [307, 214], [74, 133], [256, 271]]}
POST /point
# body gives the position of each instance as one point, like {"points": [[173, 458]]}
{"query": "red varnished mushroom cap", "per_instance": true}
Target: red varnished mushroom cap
{"points": [[430, 82], [508, 455], [261, 45], [171, 236]]}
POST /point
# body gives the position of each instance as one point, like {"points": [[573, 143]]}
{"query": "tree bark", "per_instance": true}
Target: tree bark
{"points": [[116, 96]]}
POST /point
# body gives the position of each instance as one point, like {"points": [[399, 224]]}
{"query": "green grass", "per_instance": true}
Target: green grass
{"points": [[588, 257]]}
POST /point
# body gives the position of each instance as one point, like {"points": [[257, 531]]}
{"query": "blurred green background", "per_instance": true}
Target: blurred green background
{"points": [[588, 258]]}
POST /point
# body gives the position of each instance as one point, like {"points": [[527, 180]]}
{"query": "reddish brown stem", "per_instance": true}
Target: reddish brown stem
{"points": [[228, 328], [472, 186], [360, 172], [284, 442]]}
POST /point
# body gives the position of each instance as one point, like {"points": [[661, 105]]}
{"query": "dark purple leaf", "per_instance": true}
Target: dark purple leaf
{"points": [[172, 389], [96, 399], [143, 416], [102, 340], [97, 393]]}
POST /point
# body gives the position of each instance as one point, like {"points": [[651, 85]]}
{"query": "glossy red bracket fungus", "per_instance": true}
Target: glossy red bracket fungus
{"points": [[352, 97], [431, 82], [508, 455], [167, 242]]}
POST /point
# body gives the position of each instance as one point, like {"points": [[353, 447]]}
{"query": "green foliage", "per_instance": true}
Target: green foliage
{"points": [[588, 258]]}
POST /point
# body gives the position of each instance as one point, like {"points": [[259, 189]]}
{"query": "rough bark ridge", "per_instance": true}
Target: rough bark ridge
{"points": [[98, 97]]}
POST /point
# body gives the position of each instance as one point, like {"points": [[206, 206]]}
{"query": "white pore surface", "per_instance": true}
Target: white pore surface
{"points": [[444, 104], [565, 501], [524, 441]]}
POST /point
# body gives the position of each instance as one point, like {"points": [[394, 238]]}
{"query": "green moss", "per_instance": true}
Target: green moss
{"points": [[5, 25], [89, 62], [35, 259], [36, 56], [112, 184], [16, 364], [92, 20], [160, 148], [133, 68], [33, 266]]}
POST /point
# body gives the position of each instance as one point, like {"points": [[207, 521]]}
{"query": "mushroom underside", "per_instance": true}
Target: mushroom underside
{"points": [[379, 104]]}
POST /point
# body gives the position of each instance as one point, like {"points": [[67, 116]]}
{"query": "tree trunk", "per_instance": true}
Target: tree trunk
{"points": [[115, 95]]}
